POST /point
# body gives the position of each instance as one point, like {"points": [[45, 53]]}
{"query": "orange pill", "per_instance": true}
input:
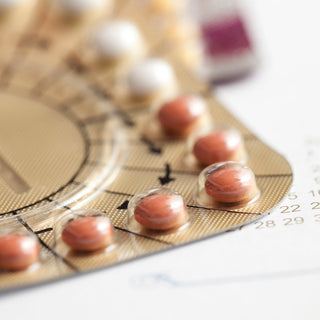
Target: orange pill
{"points": [[231, 184], [18, 252], [218, 146], [88, 233], [161, 212], [180, 116]]}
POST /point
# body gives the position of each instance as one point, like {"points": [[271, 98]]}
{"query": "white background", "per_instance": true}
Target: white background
{"points": [[247, 274]]}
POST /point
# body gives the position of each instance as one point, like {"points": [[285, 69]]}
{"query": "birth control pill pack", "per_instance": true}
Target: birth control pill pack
{"points": [[83, 142]]}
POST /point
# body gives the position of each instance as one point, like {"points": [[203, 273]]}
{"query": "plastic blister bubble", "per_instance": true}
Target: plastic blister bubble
{"points": [[19, 250], [150, 80], [83, 232], [226, 184], [157, 211], [213, 144], [177, 117], [116, 43]]}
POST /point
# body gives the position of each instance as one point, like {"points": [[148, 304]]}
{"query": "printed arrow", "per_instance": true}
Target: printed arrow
{"points": [[166, 179], [152, 147], [124, 205]]}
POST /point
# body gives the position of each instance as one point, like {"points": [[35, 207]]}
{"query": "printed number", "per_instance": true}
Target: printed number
{"points": [[315, 193], [315, 205], [292, 221], [289, 209], [265, 224], [292, 196], [317, 218]]}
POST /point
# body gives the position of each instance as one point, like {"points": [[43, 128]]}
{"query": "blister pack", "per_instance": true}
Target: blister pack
{"points": [[111, 149]]}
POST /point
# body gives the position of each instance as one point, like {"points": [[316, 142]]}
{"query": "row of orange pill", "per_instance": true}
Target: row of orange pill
{"points": [[158, 210]]}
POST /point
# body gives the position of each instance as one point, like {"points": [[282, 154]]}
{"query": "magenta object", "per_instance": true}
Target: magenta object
{"points": [[226, 37]]}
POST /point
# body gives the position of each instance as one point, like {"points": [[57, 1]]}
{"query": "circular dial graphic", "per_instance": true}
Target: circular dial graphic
{"points": [[59, 144]]}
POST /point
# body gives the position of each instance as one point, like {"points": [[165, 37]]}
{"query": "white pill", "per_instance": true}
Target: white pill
{"points": [[150, 76], [8, 4], [115, 39], [80, 6]]}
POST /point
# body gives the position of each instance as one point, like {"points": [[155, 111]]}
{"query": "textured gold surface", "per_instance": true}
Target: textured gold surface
{"points": [[42, 145], [47, 127]]}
